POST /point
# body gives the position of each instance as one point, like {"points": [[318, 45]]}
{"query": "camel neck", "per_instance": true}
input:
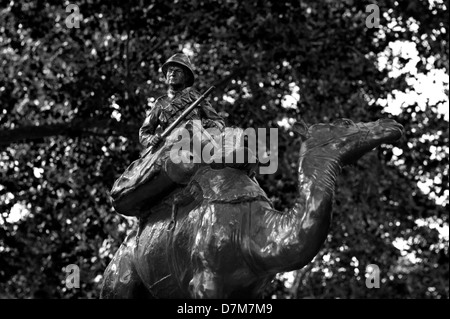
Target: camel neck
{"points": [[317, 171]]}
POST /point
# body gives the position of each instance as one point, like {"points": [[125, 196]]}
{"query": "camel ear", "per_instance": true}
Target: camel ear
{"points": [[300, 128]]}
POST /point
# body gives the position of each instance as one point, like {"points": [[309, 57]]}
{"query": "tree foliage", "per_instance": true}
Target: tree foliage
{"points": [[72, 100]]}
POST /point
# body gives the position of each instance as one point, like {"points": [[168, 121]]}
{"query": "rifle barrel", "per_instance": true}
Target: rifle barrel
{"points": [[186, 112]]}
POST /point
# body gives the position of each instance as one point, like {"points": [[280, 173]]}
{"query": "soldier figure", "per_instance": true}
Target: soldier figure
{"points": [[147, 180], [180, 78]]}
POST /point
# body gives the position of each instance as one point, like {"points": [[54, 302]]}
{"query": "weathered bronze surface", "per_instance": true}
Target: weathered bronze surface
{"points": [[226, 240]]}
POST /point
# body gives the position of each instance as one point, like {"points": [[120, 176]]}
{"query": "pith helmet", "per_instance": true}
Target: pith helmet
{"points": [[181, 59]]}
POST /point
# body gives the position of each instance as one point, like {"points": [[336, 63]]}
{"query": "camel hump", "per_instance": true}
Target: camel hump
{"points": [[227, 185]]}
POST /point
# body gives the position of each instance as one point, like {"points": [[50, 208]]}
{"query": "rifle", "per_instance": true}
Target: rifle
{"points": [[183, 115]]}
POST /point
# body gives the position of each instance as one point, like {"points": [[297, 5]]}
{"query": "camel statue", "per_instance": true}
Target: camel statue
{"points": [[227, 240]]}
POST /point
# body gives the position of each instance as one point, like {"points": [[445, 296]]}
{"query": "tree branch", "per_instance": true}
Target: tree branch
{"points": [[76, 127]]}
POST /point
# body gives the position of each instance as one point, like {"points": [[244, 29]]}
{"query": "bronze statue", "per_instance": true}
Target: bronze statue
{"points": [[228, 241], [146, 179]]}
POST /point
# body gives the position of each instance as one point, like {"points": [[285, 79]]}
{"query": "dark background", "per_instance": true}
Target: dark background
{"points": [[62, 146]]}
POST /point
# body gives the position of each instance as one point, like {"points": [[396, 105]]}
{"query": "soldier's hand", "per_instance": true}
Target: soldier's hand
{"points": [[207, 123], [156, 139]]}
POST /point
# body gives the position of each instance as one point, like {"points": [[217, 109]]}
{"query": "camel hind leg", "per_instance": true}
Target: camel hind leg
{"points": [[121, 280]]}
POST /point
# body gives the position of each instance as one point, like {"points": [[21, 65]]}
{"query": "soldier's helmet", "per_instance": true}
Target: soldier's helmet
{"points": [[181, 60]]}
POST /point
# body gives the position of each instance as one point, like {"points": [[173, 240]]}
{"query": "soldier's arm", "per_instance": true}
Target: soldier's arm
{"points": [[147, 130], [210, 117]]}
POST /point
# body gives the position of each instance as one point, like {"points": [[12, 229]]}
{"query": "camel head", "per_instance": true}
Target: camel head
{"points": [[346, 141]]}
